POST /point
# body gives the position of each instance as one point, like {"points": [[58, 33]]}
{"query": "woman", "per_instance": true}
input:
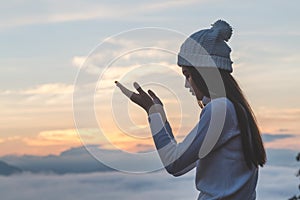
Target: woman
{"points": [[226, 158]]}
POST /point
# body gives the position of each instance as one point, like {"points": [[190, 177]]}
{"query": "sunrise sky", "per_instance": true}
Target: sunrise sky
{"points": [[49, 49]]}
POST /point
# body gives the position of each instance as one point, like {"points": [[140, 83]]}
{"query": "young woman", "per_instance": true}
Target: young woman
{"points": [[225, 146]]}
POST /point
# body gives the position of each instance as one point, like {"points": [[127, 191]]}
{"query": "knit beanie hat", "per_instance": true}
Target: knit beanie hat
{"points": [[208, 48]]}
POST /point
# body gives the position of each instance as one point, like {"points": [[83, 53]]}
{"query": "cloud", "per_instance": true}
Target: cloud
{"points": [[10, 139], [274, 119], [281, 141], [148, 186], [285, 113], [269, 187], [49, 106], [280, 168], [78, 61], [57, 12], [52, 88], [285, 143], [56, 140], [50, 96], [108, 185], [281, 157], [130, 50], [89, 158], [93, 158], [43, 89], [67, 137], [267, 137]]}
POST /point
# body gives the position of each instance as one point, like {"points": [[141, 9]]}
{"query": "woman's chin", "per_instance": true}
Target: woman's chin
{"points": [[198, 98]]}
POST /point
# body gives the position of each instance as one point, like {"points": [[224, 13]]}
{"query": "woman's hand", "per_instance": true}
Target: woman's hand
{"points": [[146, 101]]}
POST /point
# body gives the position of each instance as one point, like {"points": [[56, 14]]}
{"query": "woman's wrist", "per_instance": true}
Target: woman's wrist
{"points": [[158, 109]]}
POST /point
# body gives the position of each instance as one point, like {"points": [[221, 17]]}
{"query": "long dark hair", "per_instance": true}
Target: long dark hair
{"points": [[253, 149]]}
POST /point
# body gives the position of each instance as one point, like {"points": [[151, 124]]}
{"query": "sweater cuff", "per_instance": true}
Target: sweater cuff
{"points": [[158, 108], [157, 118]]}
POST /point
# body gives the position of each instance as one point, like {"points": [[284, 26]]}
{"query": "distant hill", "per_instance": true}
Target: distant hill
{"points": [[6, 169], [74, 160], [80, 160]]}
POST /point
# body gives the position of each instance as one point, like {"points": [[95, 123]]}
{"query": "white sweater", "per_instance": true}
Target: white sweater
{"points": [[214, 147]]}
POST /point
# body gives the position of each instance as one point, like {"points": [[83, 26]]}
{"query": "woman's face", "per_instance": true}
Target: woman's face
{"points": [[189, 83]]}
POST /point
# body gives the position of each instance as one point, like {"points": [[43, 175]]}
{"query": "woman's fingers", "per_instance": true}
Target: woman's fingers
{"points": [[154, 97], [142, 98], [131, 95], [138, 88], [152, 94], [138, 98], [125, 91]]}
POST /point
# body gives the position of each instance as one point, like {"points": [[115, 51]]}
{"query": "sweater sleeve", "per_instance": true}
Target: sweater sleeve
{"points": [[178, 158]]}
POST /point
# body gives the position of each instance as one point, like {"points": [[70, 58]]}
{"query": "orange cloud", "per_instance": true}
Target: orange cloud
{"points": [[71, 137], [44, 89], [61, 137], [48, 142], [287, 143], [272, 120]]}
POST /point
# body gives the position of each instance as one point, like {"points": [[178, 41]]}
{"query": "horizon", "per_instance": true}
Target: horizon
{"points": [[271, 141]]}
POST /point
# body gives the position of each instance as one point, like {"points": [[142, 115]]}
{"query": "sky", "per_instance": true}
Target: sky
{"points": [[58, 64], [59, 60]]}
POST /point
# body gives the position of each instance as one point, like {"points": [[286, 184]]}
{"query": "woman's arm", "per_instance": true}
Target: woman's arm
{"points": [[178, 158], [188, 168]]}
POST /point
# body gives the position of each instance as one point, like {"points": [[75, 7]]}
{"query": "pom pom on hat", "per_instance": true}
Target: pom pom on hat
{"points": [[225, 30]]}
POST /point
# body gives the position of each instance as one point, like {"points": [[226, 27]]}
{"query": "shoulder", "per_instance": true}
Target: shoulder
{"points": [[219, 104], [219, 108]]}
